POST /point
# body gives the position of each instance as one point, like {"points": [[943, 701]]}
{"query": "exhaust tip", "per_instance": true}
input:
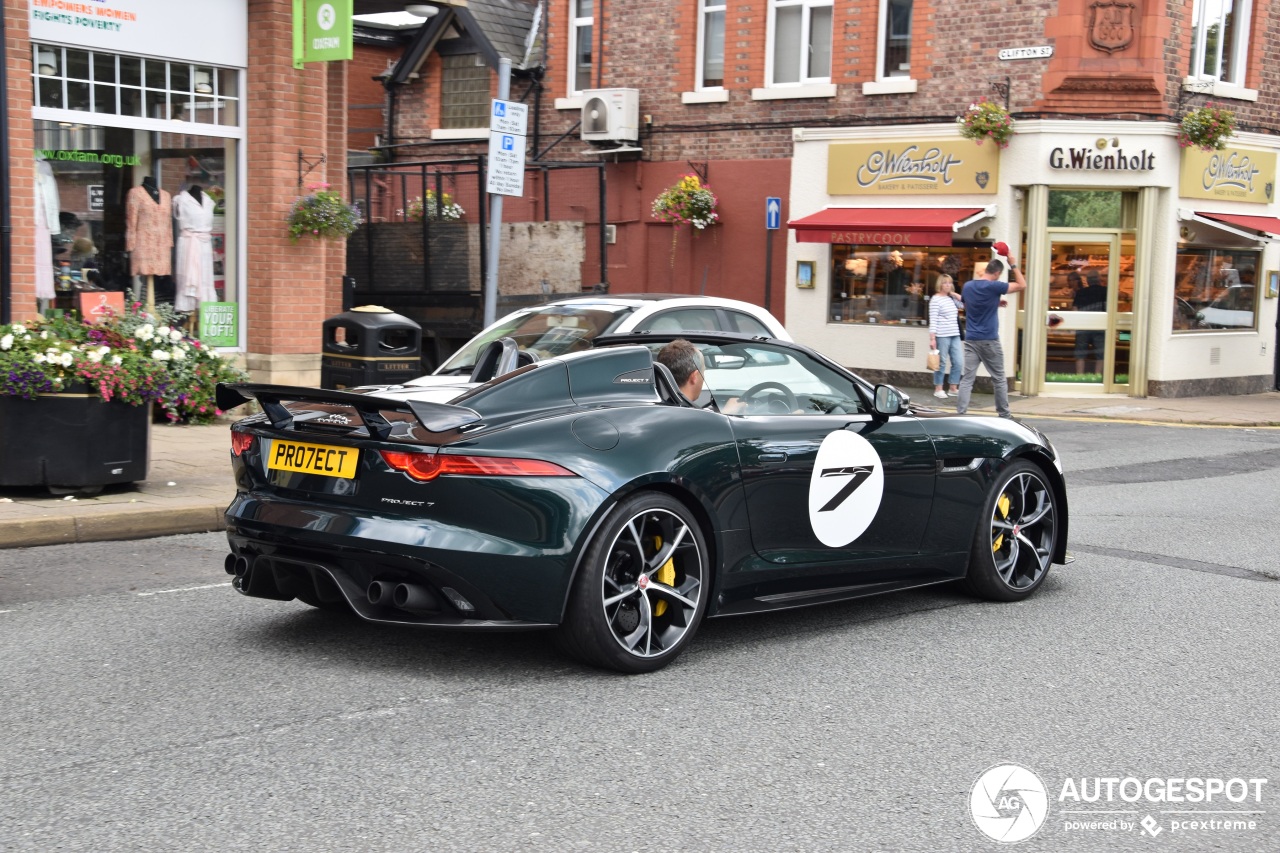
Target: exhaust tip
{"points": [[230, 564], [381, 593], [241, 567], [415, 599]]}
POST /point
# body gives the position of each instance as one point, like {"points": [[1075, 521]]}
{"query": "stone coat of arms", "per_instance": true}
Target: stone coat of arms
{"points": [[1111, 25]]}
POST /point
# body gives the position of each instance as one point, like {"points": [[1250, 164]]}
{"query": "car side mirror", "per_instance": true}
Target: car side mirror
{"points": [[890, 401]]}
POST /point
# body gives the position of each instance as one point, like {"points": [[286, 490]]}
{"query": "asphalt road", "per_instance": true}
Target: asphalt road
{"points": [[148, 707]]}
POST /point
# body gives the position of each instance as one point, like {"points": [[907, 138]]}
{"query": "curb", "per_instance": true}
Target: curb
{"points": [[110, 526]]}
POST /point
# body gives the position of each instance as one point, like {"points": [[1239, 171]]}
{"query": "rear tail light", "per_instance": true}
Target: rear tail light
{"points": [[428, 466], [240, 442]]}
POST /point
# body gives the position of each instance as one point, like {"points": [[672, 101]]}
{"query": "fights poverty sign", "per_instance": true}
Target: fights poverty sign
{"points": [[145, 27]]}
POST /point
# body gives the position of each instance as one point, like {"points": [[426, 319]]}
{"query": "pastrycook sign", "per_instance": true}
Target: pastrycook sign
{"points": [[1232, 174], [147, 28], [912, 167]]}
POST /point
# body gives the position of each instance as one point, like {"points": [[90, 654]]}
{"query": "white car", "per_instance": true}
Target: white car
{"points": [[568, 325]]}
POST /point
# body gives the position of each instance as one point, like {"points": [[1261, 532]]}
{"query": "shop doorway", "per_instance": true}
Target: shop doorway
{"points": [[1091, 285]]}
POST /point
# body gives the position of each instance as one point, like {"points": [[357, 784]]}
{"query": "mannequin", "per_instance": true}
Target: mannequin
{"points": [[48, 223], [193, 210], [148, 236]]}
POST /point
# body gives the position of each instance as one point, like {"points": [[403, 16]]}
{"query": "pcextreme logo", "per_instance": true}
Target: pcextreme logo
{"points": [[1010, 803]]}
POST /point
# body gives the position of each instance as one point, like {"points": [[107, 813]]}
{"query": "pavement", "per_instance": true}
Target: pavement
{"points": [[189, 483]]}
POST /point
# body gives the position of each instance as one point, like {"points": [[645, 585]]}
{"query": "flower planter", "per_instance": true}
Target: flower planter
{"points": [[73, 441]]}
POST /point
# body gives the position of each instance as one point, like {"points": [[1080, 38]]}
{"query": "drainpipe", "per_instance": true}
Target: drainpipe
{"points": [[6, 214]]}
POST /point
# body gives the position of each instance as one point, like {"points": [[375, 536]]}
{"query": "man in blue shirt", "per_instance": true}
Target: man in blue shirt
{"points": [[982, 300]]}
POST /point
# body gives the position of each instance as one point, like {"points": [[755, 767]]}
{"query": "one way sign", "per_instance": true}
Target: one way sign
{"points": [[773, 213]]}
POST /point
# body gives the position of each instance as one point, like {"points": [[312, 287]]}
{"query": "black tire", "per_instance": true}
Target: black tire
{"points": [[1016, 535], [641, 589]]}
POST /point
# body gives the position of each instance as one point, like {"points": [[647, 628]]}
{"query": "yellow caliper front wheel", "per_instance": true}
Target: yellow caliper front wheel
{"points": [[666, 575], [1002, 506]]}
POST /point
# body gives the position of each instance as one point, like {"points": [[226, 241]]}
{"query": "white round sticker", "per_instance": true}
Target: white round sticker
{"points": [[845, 489]]}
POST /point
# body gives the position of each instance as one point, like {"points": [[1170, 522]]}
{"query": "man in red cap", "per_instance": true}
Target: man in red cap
{"points": [[982, 298]]}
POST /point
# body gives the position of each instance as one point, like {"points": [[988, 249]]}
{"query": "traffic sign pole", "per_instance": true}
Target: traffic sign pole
{"points": [[495, 211], [772, 222]]}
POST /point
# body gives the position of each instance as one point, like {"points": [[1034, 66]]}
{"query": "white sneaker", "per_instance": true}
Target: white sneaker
{"points": [[941, 395]]}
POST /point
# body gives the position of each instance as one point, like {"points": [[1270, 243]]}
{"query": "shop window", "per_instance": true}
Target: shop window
{"points": [[95, 168], [881, 285], [1087, 209], [1219, 46], [464, 92], [112, 84], [711, 44], [580, 44], [895, 52], [1215, 290], [801, 41]]}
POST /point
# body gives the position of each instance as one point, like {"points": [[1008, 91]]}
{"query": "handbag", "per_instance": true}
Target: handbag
{"points": [[934, 360]]}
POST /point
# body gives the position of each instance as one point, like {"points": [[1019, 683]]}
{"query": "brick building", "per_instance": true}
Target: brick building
{"points": [[844, 110], [847, 112]]}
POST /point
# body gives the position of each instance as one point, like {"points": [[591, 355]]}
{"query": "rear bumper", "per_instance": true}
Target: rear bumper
{"points": [[326, 555]]}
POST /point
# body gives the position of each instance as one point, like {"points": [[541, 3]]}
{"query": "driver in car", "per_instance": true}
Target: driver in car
{"points": [[686, 364]]}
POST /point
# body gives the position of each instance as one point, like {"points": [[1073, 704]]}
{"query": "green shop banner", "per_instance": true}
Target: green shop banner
{"points": [[322, 31], [219, 324]]}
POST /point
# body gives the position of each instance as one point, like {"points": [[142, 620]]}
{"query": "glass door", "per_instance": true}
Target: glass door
{"points": [[1091, 289]]}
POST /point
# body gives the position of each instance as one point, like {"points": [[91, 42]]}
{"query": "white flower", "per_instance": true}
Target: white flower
{"points": [[103, 351], [38, 358], [95, 356], [145, 332], [213, 353], [160, 355], [44, 336], [162, 332], [116, 360], [68, 359], [179, 354], [19, 329], [6, 342], [175, 335]]}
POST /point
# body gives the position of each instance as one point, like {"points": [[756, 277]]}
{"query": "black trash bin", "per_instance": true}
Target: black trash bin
{"points": [[370, 345]]}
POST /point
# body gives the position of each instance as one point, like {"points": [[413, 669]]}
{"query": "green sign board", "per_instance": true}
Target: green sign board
{"points": [[220, 324], [322, 31]]}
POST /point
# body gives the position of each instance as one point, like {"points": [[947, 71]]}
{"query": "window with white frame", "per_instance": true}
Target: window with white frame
{"points": [[801, 47], [581, 26], [1220, 40], [895, 46], [711, 44]]}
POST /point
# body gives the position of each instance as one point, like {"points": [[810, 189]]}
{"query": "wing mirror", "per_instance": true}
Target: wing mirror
{"points": [[890, 401]]}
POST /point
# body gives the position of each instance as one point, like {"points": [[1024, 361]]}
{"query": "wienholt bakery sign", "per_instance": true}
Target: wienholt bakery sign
{"points": [[912, 167], [1096, 160]]}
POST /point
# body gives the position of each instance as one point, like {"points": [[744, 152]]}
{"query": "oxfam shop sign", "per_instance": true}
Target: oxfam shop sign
{"points": [[147, 28]]}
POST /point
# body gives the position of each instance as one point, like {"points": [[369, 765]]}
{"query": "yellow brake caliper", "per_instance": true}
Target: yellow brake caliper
{"points": [[666, 575], [1002, 506]]}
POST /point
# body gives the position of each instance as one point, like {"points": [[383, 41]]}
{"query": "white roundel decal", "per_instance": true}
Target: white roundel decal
{"points": [[845, 489]]}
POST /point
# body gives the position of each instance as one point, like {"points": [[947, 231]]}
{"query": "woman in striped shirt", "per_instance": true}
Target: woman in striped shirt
{"points": [[944, 335]]}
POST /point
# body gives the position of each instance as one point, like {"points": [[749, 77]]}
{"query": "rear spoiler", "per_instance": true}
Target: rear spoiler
{"points": [[434, 417]]}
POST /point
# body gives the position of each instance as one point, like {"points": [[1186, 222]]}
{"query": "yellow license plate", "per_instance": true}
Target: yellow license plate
{"points": [[322, 459]]}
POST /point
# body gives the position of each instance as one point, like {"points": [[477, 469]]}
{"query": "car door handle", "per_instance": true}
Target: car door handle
{"points": [[769, 458]]}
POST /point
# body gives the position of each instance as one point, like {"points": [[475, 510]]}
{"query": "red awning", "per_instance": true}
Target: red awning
{"points": [[1265, 224], [883, 226]]}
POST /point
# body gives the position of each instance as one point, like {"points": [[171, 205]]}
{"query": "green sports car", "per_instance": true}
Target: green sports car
{"points": [[585, 494]]}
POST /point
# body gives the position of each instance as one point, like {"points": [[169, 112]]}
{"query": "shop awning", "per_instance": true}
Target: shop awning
{"points": [[885, 226], [1269, 226]]}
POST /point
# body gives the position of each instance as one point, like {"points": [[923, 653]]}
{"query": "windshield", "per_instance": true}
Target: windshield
{"points": [[547, 331]]}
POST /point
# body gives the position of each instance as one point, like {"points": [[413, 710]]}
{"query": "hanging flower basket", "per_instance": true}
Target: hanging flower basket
{"points": [[688, 202], [986, 120], [1207, 128], [427, 207], [323, 214]]}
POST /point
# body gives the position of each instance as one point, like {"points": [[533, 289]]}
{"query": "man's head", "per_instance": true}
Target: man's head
{"points": [[684, 360], [994, 268]]}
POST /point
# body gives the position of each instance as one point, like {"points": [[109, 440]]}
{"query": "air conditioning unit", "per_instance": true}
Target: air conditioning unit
{"points": [[611, 115]]}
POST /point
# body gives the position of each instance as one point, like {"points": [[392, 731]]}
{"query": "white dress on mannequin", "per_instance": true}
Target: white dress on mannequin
{"points": [[193, 272], [47, 224]]}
